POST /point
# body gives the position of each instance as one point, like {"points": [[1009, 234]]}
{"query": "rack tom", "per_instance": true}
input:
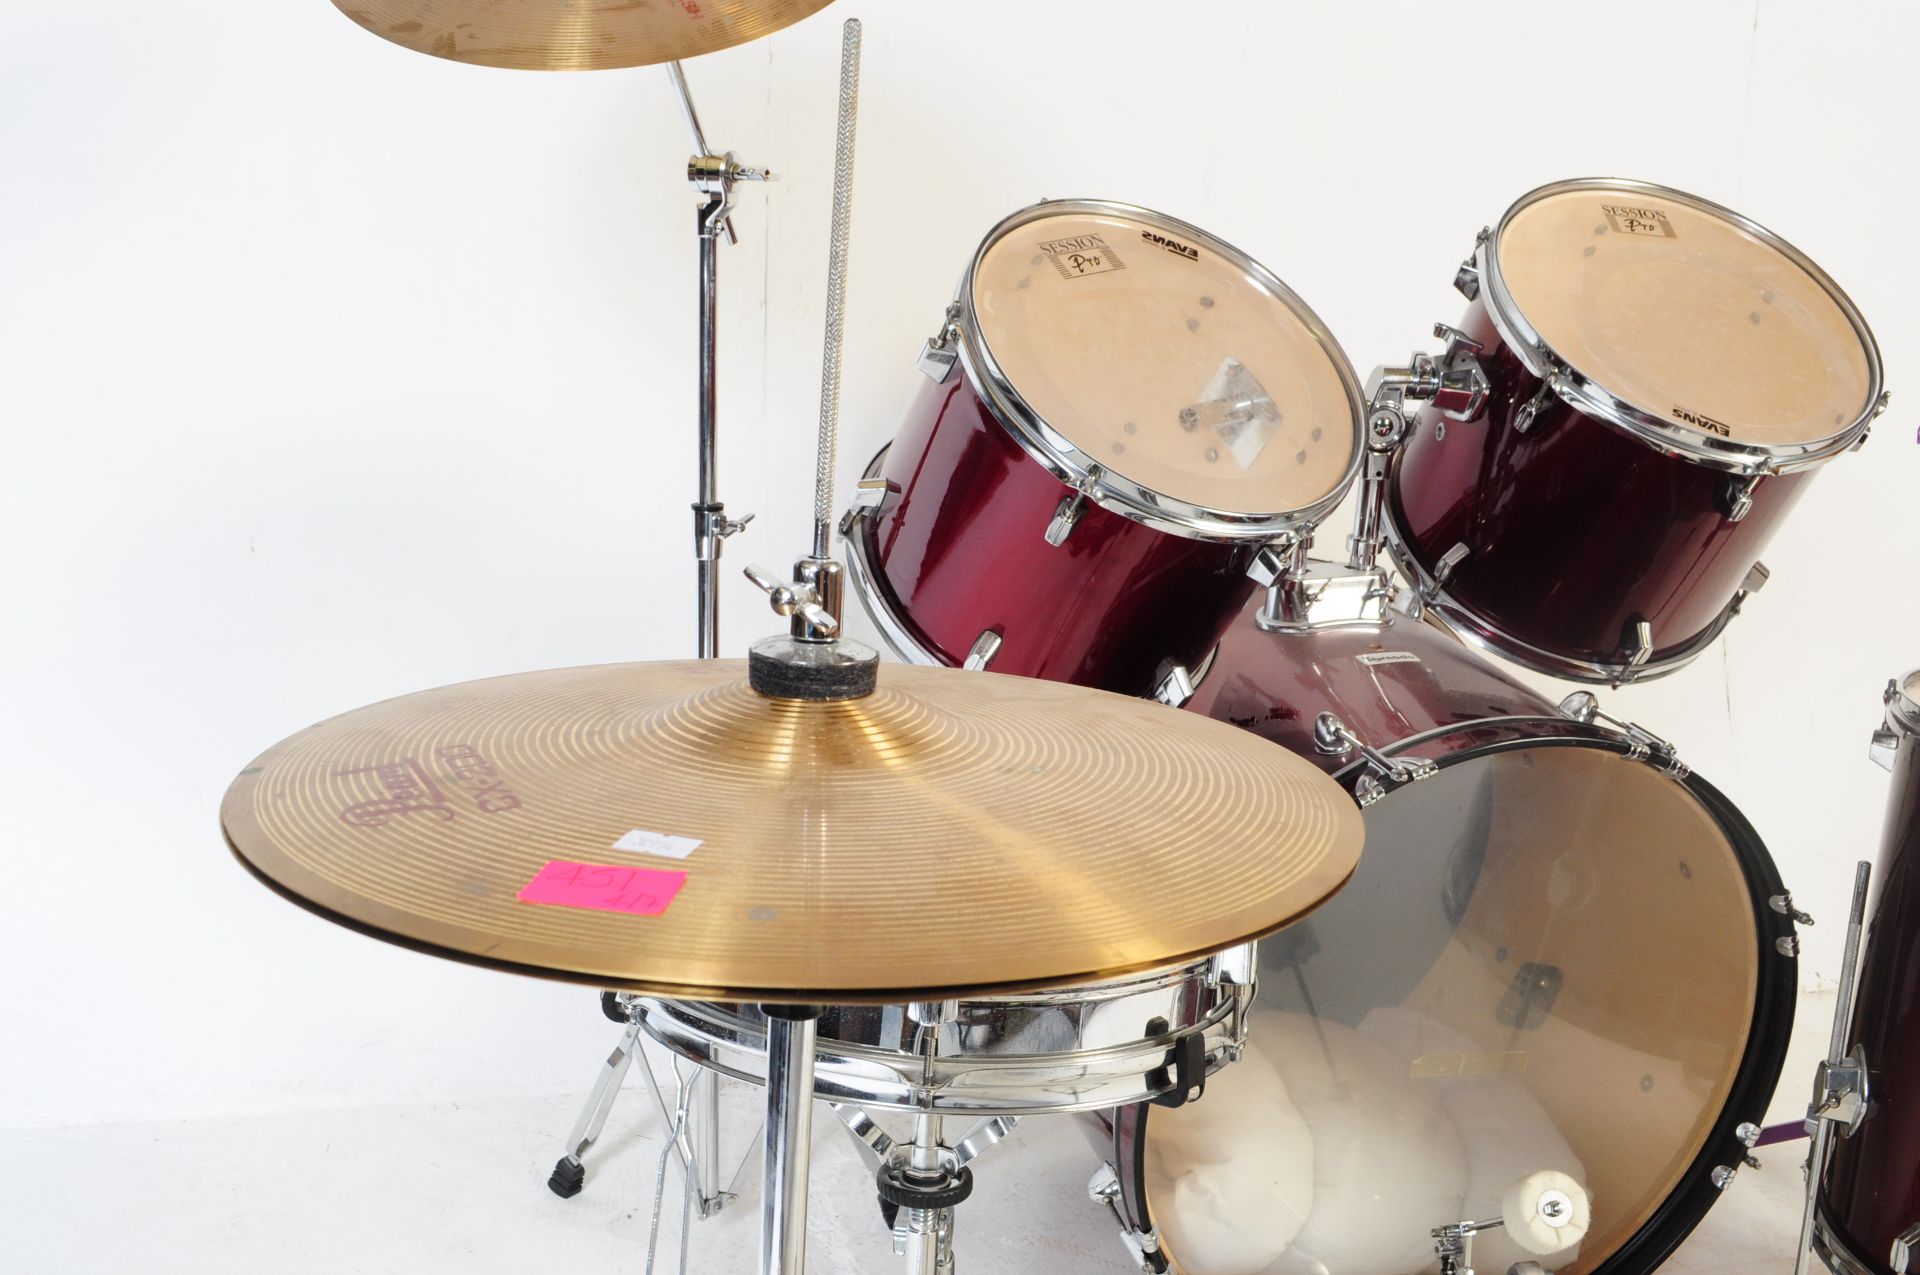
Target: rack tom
{"points": [[1663, 377], [1122, 409]]}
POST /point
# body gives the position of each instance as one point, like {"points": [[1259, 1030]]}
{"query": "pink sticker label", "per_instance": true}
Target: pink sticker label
{"points": [[601, 887]]}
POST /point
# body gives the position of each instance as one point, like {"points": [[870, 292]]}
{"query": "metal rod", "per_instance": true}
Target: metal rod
{"points": [[1819, 1128], [703, 1132], [836, 286], [706, 537], [783, 1194]]}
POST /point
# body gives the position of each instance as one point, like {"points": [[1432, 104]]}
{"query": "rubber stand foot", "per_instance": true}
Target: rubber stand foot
{"points": [[616, 1012], [569, 1175]]}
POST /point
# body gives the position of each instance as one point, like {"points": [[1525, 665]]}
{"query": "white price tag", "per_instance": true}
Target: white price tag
{"points": [[640, 841]]}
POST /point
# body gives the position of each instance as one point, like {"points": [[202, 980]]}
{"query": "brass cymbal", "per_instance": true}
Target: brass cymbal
{"points": [[573, 35], [954, 833]]}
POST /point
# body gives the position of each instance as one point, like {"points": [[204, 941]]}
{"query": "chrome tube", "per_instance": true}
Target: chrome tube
{"points": [[703, 1131], [1819, 1127], [706, 513], [783, 1184]]}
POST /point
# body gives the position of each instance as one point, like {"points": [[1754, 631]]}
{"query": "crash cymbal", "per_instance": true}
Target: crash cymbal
{"points": [[952, 833], [573, 35]]}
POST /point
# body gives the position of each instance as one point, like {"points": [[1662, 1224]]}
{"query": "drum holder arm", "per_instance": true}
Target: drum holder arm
{"points": [[1454, 383]]}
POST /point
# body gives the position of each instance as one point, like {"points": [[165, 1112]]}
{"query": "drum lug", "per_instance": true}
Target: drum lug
{"points": [[1738, 495], [1754, 581], [1449, 562], [1783, 904], [1884, 748], [1529, 413], [1904, 1248], [942, 350], [868, 493], [1468, 277], [1332, 738], [1639, 651], [1143, 1246], [1879, 406], [1174, 690], [1066, 515], [985, 647]]}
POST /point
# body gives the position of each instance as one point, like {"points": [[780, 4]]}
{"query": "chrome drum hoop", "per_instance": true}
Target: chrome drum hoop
{"points": [[1053, 452], [1485, 636], [1593, 399], [1076, 1049]]}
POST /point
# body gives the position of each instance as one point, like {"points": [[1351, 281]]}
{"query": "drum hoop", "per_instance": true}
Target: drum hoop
{"points": [[1115, 492], [1774, 990], [1467, 624], [1588, 396]]}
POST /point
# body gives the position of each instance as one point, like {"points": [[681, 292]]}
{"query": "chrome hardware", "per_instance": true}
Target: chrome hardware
{"points": [[1332, 738], [1883, 749], [1142, 1246], [867, 495], [1840, 1095], [1905, 1245], [1754, 581], [1788, 946], [1722, 1175], [1581, 706], [985, 647], [1453, 1243], [1448, 561], [1642, 744], [711, 526], [941, 351], [1640, 652], [1326, 595], [1462, 392], [1748, 1132], [1739, 495], [814, 614], [1530, 410], [1275, 559], [1467, 279], [1783, 904], [1176, 688], [1066, 514]]}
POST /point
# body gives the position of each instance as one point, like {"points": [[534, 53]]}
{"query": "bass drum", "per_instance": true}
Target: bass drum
{"points": [[1559, 953]]}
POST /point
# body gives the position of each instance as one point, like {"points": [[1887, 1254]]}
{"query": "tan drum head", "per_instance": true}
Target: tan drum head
{"points": [[1168, 358], [1686, 312]]}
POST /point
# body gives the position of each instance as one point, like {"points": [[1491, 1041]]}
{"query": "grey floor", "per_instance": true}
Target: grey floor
{"points": [[460, 1189]]}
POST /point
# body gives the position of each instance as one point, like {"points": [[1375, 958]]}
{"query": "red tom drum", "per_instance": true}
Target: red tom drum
{"points": [[1662, 378], [1122, 410], [1560, 953], [1868, 1218]]}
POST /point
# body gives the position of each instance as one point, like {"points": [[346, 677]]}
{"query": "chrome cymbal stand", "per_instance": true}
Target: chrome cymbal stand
{"points": [[712, 177], [1840, 1094]]}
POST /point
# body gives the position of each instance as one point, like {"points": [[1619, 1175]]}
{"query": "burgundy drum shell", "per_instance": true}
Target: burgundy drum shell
{"points": [[1872, 1190], [1575, 529], [1355, 675], [958, 546]]}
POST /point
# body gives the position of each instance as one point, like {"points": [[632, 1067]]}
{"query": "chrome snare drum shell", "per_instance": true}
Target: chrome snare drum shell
{"points": [[1076, 1049]]}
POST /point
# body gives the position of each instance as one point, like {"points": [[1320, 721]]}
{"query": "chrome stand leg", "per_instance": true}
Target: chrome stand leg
{"points": [[703, 1134], [570, 1173], [783, 1198], [1840, 1082]]}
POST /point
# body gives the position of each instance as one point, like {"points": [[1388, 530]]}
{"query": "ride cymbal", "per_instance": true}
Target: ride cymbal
{"points": [[954, 833], [573, 35]]}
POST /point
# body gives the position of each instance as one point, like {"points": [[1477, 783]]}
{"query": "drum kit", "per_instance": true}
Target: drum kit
{"points": [[1120, 779]]}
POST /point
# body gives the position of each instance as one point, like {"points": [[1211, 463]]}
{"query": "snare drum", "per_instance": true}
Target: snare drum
{"points": [[1559, 953], [1869, 1205], [1122, 410], [1154, 1036], [1663, 376]]}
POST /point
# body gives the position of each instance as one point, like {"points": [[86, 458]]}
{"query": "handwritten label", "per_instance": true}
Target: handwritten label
{"points": [[640, 841], [601, 887]]}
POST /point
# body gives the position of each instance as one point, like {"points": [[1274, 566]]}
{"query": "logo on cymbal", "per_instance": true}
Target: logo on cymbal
{"points": [[408, 789]]}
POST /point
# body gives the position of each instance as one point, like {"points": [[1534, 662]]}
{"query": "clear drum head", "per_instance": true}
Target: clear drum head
{"points": [[1686, 312], [1189, 374], [1546, 961]]}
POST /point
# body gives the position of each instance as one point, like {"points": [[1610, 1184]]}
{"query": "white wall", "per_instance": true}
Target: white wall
{"points": [[332, 371]]}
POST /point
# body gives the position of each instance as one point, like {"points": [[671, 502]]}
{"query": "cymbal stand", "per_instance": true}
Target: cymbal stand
{"points": [[712, 177]]}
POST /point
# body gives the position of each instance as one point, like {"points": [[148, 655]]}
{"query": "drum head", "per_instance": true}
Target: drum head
{"points": [[1170, 359], [1549, 959], [1685, 311]]}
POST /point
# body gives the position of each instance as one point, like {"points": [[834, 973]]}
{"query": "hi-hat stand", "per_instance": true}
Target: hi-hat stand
{"points": [[712, 177]]}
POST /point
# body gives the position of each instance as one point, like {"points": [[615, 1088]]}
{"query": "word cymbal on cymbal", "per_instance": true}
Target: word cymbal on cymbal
{"points": [[665, 828], [573, 35]]}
